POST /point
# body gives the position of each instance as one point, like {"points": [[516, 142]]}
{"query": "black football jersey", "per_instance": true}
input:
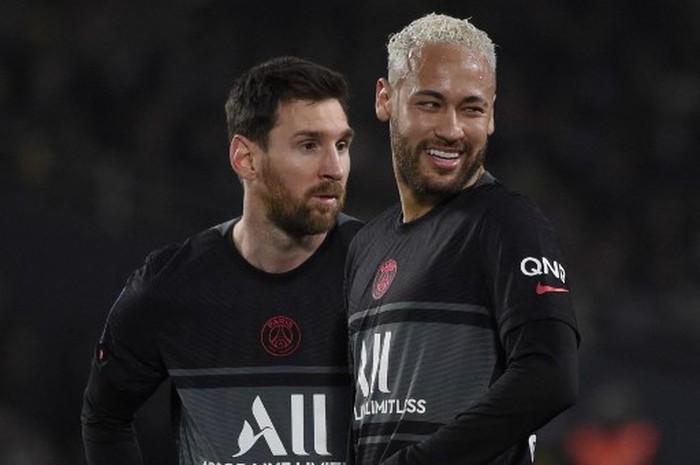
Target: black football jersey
{"points": [[258, 361], [429, 304]]}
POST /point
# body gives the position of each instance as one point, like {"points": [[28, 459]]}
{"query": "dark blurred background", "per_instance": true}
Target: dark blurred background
{"points": [[113, 144]]}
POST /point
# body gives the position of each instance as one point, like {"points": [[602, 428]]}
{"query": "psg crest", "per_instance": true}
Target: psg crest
{"points": [[280, 336], [384, 277]]}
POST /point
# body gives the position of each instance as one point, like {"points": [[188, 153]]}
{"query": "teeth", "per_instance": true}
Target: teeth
{"points": [[445, 155]]}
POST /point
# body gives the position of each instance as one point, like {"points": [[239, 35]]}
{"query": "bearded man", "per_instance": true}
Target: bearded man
{"points": [[246, 318]]}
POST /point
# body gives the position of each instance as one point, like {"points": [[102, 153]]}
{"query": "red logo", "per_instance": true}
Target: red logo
{"points": [[544, 289], [280, 336], [384, 277]]}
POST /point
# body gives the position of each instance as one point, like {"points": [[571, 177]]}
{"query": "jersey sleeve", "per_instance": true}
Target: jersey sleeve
{"points": [[540, 381], [125, 371], [526, 273]]}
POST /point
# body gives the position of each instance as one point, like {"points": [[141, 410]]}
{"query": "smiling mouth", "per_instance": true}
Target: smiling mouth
{"points": [[443, 155]]}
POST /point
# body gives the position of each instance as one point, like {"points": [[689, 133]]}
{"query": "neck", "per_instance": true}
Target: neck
{"points": [[414, 205], [270, 249]]}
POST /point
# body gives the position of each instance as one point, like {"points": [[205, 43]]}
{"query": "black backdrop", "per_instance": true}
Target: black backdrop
{"points": [[113, 143]]}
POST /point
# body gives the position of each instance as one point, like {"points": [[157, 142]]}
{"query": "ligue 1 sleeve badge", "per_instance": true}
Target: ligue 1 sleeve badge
{"points": [[384, 277], [280, 336]]}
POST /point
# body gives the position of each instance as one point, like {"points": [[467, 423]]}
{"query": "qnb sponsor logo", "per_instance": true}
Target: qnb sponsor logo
{"points": [[377, 383], [531, 266], [267, 431]]}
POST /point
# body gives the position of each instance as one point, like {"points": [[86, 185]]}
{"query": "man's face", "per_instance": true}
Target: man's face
{"points": [[441, 115], [306, 166]]}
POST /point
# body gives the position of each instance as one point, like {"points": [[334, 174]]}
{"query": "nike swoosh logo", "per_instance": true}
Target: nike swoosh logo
{"points": [[544, 289]]}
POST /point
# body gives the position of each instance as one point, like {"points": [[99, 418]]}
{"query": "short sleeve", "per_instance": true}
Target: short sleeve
{"points": [[526, 272]]}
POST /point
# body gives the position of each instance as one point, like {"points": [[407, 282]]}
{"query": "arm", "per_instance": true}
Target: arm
{"points": [[107, 422], [540, 381], [126, 370]]}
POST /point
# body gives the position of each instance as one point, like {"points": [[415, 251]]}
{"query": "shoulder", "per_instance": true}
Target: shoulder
{"points": [[149, 289], [377, 231], [512, 226], [174, 260], [502, 207], [379, 225], [153, 290], [348, 226]]}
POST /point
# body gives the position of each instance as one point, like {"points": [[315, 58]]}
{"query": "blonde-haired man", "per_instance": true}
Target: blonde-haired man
{"points": [[463, 335]]}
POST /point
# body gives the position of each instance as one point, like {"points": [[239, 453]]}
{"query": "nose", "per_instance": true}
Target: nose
{"points": [[332, 165], [448, 127]]}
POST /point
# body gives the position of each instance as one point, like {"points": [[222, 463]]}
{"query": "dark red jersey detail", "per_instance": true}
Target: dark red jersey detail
{"points": [[544, 289], [280, 336], [384, 277]]}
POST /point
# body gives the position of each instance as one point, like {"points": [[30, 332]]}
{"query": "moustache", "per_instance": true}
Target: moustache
{"points": [[327, 188]]}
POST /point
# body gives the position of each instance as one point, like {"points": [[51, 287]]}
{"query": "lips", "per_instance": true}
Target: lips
{"points": [[334, 194], [444, 158], [444, 154], [327, 199]]}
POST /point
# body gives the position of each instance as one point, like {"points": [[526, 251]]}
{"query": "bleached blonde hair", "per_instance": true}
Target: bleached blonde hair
{"points": [[435, 28]]}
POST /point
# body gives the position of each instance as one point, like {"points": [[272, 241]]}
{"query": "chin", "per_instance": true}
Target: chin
{"points": [[321, 223], [437, 187]]}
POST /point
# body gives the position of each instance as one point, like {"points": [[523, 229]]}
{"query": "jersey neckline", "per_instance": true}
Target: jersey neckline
{"points": [[401, 227], [226, 232]]}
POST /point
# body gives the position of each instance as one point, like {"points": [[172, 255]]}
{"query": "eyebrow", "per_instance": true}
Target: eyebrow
{"points": [[348, 134], [439, 96]]}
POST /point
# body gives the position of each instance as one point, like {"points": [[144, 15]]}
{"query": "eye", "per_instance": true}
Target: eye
{"points": [[473, 110], [343, 145], [428, 104], [309, 145]]}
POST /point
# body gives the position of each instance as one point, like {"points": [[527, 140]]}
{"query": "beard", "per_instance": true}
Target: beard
{"points": [[297, 217], [407, 161]]}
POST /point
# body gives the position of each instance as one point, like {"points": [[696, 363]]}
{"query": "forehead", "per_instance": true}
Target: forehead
{"points": [[306, 115], [449, 69]]}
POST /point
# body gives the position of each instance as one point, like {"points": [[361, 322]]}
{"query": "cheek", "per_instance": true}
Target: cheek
{"points": [[478, 131], [296, 181], [415, 126]]}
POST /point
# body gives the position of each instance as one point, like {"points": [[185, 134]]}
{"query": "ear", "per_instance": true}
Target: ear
{"points": [[492, 120], [382, 100], [240, 154]]}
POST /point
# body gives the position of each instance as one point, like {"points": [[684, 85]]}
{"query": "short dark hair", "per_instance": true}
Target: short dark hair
{"points": [[251, 107]]}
